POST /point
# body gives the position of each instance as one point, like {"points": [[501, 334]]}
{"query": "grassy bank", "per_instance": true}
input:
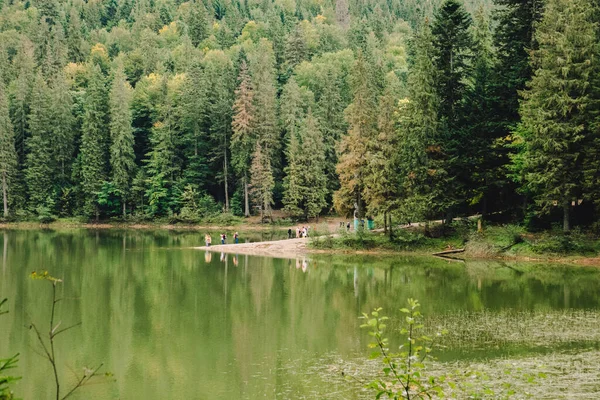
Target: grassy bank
{"points": [[507, 241]]}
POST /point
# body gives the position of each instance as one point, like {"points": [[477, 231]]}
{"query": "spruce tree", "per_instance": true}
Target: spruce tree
{"points": [[312, 160], [381, 180], [453, 44], [122, 155], [243, 138], [8, 154], [194, 124], [484, 159], [94, 141], [39, 162], [63, 126], [361, 117], [197, 22], [262, 182], [262, 60], [219, 72], [557, 103], [422, 158], [293, 185]]}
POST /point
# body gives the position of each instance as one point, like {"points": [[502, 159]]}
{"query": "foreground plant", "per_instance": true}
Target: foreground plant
{"points": [[6, 364], [47, 341], [403, 375]]}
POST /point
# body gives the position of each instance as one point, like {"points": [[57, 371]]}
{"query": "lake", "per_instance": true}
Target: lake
{"points": [[171, 322]]}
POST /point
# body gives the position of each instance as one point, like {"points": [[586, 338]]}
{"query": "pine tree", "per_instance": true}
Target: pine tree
{"points": [[295, 49], [219, 72], [557, 104], [293, 185], [312, 161], [333, 126], [292, 110], [262, 182], [39, 163], [161, 163], [265, 99], [94, 141], [453, 44], [381, 180], [305, 183], [422, 156], [484, 159], [194, 124], [362, 121], [20, 95], [63, 126], [243, 138], [8, 153], [122, 155], [197, 22], [513, 38]]}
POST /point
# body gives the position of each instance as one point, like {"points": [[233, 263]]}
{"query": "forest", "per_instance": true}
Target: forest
{"points": [[405, 109]]}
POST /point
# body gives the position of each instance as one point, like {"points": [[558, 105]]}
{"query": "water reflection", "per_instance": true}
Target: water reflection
{"points": [[171, 322]]}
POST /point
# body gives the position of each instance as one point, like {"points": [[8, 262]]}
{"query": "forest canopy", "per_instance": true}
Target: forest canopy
{"points": [[419, 110]]}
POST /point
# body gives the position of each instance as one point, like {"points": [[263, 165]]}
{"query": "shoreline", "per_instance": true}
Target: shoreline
{"points": [[288, 248]]}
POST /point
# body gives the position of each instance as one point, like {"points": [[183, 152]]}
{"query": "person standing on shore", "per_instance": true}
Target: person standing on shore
{"points": [[207, 239], [223, 237], [236, 238], [290, 233]]}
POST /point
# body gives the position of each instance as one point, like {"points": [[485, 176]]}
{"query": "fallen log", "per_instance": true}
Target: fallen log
{"points": [[440, 253]]}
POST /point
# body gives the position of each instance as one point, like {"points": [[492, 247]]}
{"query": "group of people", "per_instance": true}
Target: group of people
{"points": [[300, 232], [347, 224], [208, 238]]}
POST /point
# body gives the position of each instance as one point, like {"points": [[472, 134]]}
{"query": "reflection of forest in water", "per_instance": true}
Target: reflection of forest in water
{"points": [[182, 323]]}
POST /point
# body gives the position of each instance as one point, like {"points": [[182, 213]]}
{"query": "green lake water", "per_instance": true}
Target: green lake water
{"points": [[171, 322]]}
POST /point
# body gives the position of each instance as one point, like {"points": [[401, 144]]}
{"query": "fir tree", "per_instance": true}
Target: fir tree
{"points": [[312, 160], [94, 141], [193, 113], [219, 71], [197, 22], [39, 162], [453, 44], [243, 138], [381, 180], [122, 156], [422, 156], [557, 104], [483, 153], [63, 126], [262, 182], [8, 154], [361, 118]]}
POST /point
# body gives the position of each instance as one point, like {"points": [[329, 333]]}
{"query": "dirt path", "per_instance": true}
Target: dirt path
{"points": [[287, 248]]}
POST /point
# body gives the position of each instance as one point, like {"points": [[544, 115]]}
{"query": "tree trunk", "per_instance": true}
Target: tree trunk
{"points": [[384, 222], [566, 217], [124, 209], [97, 214], [390, 226], [4, 194], [225, 179], [246, 202]]}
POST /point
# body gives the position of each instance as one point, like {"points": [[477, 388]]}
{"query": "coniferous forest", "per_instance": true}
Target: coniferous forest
{"points": [[410, 109]]}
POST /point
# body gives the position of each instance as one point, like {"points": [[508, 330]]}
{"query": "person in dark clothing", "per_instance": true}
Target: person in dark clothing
{"points": [[290, 233]]}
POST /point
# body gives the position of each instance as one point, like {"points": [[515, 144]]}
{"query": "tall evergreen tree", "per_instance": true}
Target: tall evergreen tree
{"points": [[63, 126], [305, 182], [94, 141], [122, 155], [193, 115], [262, 182], [422, 159], [243, 138], [381, 180], [484, 159], [557, 104], [219, 72], [39, 163], [453, 43], [362, 121], [8, 153]]}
